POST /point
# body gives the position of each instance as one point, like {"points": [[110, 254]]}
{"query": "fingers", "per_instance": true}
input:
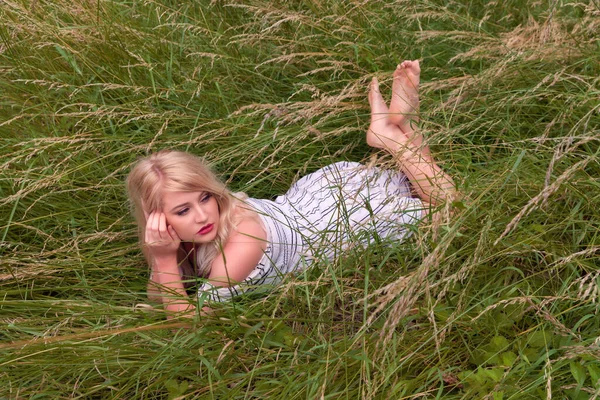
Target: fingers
{"points": [[159, 237], [148, 230], [162, 226], [172, 233], [156, 227]]}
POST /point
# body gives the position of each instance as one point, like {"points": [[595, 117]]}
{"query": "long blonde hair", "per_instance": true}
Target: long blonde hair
{"points": [[177, 171]]}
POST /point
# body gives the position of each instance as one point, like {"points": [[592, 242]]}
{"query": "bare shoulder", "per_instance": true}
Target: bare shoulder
{"points": [[248, 223], [243, 250]]}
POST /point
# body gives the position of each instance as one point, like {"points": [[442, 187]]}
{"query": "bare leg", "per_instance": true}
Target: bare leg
{"points": [[430, 182], [404, 106]]}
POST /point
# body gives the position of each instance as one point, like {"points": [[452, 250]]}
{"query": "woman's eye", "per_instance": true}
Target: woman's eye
{"points": [[205, 198], [182, 211]]}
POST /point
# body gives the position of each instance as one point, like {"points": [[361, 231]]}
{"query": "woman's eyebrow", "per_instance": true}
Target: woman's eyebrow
{"points": [[187, 203], [180, 205]]}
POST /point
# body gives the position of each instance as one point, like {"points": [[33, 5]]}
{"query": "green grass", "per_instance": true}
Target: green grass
{"points": [[499, 302]]}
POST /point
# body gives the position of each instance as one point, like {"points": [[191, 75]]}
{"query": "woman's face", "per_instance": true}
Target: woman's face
{"points": [[193, 215]]}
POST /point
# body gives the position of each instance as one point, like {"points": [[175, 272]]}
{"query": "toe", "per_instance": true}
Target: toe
{"points": [[412, 66], [399, 71]]}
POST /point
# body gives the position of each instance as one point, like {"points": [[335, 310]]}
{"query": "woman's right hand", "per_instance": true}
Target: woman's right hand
{"points": [[160, 239]]}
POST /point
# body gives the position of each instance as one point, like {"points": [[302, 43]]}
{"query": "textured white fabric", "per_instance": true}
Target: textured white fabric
{"points": [[324, 213]]}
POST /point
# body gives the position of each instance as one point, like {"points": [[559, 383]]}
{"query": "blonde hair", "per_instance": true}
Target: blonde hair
{"points": [[177, 171]]}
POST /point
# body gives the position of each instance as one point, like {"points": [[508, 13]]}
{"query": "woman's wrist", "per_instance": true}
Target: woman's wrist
{"points": [[165, 273], [164, 262]]}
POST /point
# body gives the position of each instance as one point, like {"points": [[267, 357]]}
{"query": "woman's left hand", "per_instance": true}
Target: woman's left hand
{"points": [[160, 238]]}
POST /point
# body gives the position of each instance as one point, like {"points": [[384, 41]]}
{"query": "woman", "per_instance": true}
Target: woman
{"points": [[191, 225]]}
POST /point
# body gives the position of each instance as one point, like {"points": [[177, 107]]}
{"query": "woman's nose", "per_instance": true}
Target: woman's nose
{"points": [[200, 215]]}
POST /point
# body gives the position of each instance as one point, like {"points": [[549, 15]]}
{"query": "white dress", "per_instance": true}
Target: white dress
{"points": [[342, 205]]}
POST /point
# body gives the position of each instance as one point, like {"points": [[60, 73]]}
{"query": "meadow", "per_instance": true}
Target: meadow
{"points": [[498, 298]]}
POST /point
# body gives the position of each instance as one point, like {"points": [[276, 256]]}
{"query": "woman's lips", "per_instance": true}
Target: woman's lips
{"points": [[206, 229]]}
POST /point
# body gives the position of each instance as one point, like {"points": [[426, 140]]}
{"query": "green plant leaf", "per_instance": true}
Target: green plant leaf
{"points": [[494, 373], [499, 343], [508, 358], [578, 371], [594, 371], [539, 339]]}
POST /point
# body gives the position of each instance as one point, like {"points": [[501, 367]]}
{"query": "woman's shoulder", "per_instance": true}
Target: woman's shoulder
{"points": [[242, 250], [247, 222]]}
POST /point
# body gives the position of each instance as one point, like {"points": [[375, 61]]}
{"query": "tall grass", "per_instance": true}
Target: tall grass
{"points": [[499, 301]]}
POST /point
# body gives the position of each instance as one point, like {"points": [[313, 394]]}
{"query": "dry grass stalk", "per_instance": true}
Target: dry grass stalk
{"points": [[405, 291], [325, 107], [583, 253], [446, 282], [86, 335], [564, 148], [541, 198], [19, 273], [583, 388], [504, 303], [588, 286], [548, 376], [539, 309], [574, 352]]}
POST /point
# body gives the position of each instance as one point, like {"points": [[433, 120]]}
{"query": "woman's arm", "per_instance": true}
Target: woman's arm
{"points": [[240, 255], [161, 248], [167, 284]]}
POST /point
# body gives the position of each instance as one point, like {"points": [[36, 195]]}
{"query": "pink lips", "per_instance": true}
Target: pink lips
{"points": [[206, 229]]}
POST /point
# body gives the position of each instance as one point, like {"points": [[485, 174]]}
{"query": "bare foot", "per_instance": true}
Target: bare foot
{"points": [[383, 134], [404, 107]]}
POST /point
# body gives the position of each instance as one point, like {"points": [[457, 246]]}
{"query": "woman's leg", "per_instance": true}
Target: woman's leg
{"points": [[430, 182]]}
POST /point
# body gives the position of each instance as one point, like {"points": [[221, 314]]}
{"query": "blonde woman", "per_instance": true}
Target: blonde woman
{"points": [[191, 226]]}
